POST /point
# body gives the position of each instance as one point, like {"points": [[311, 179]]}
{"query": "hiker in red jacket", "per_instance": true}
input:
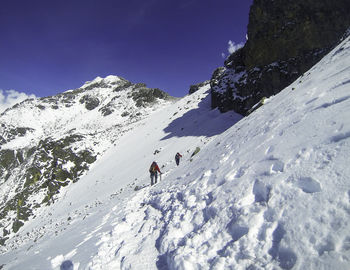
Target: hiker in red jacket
{"points": [[177, 158], [154, 169]]}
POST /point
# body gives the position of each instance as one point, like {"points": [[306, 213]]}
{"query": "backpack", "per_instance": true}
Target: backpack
{"points": [[153, 169]]}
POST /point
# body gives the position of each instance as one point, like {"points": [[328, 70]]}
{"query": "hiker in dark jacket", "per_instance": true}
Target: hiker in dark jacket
{"points": [[154, 169], [177, 158]]}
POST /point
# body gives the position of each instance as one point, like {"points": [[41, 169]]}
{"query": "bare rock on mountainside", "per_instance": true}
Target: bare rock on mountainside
{"points": [[285, 39], [195, 87]]}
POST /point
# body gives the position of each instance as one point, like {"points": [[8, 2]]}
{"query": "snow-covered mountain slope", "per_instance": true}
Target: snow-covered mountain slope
{"points": [[271, 192], [50, 142], [99, 105], [182, 126]]}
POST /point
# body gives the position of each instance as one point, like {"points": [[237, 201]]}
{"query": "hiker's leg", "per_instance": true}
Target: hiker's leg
{"points": [[152, 179]]}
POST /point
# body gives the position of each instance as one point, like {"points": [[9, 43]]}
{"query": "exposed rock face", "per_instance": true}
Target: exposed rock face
{"points": [[195, 87], [90, 102], [285, 39], [144, 96]]}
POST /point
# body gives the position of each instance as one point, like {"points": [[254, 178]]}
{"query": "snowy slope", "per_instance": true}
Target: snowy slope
{"points": [[59, 115], [179, 127], [50, 142], [271, 192]]}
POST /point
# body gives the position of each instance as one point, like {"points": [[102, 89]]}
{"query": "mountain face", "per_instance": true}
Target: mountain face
{"points": [[48, 143], [285, 39]]}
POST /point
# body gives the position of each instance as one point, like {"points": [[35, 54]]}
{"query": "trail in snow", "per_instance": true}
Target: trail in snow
{"points": [[271, 192], [99, 195]]}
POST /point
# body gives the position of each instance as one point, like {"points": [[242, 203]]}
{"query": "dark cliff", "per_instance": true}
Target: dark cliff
{"points": [[285, 39]]}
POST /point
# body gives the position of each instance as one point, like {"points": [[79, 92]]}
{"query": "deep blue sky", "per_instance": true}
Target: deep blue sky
{"points": [[49, 46]]}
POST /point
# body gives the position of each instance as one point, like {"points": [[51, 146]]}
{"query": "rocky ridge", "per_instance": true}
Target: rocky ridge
{"points": [[285, 39]]}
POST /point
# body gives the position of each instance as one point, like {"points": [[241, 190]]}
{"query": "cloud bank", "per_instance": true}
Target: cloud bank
{"points": [[8, 98]]}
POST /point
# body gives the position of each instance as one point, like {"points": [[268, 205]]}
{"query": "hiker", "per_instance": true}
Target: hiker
{"points": [[177, 158], [154, 169]]}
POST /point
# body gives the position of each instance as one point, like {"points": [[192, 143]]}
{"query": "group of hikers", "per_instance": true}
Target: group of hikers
{"points": [[154, 169]]}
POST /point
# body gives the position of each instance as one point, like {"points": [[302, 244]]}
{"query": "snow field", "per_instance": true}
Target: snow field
{"points": [[272, 195], [113, 178]]}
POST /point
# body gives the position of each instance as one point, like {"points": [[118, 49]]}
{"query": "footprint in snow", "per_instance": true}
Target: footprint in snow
{"points": [[326, 245], [277, 166], [261, 192], [285, 256], [67, 265], [309, 185], [234, 174]]}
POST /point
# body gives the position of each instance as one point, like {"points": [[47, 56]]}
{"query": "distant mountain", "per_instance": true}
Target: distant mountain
{"points": [[48, 143], [285, 39]]}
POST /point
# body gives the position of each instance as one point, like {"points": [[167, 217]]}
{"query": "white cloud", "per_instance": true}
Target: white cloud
{"points": [[232, 46], [8, 98]]}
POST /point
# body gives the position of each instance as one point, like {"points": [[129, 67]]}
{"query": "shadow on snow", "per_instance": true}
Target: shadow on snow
{"points": [[202, 121]]}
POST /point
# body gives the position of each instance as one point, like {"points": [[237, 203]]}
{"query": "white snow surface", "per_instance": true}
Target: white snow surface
{"points": [[270, 192]]}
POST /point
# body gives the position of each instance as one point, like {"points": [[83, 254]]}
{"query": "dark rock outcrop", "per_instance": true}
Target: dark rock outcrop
{"points": [[144, 96], [90, 102], [285, 39], [195, 87]]}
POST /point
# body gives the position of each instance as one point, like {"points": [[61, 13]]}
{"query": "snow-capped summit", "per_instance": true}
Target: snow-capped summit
{"points": [[112, 79], [107, 81]]}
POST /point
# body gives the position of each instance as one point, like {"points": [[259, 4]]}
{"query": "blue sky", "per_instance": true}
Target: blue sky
{"points": [[48, 47]]}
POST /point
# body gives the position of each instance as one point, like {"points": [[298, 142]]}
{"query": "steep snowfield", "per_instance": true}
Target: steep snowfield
{"points": [[271, 192]]}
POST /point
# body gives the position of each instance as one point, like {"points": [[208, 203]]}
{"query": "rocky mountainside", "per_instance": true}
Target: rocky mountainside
{"points": [[48, 143], [285, 39]]}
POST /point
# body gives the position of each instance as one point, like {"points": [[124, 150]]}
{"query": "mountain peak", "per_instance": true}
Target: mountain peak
{"points": [[103, 82]]}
